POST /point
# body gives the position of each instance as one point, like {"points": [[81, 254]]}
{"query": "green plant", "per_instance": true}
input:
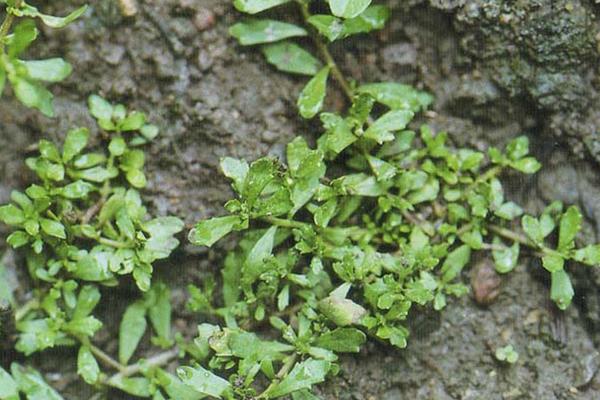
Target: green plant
{"points": [[84, 225], [507, 354], [343, 240], [336, 244], [26, 76]]}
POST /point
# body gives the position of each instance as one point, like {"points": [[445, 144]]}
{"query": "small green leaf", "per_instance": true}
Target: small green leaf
{"points": [[382, 130], [527, 165], [455, 262], [204, 381], [509, 211], [133, 121], [236, 170], [23, 35], [209, 231], [160, 311], [53, 228], [561, 290], [256, 6], [348, 8], [327, 25], [570, 225], [100, 108], [117, 146], [32, 384], [50, 70], [397, 96], [341, 311], [33, 95], [254, 264], [532, 228], [311, 99], [75, 142], [303, 376], [342, 340], [289, 57], [11, 215], [553, 262], [518, 148], [506, 259], [8, 387], [76, 190], [137, 178], [589, 255], [131, 330], [49, 20], [264, 31], [87, 366], [507, 353]]}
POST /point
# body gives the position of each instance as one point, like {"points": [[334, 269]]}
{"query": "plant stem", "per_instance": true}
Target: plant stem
{"points": [[113, 243], [22, 311], [285, 223], [106, 359], [285, 369], [326, 55], [7, 24], [154, 361]]}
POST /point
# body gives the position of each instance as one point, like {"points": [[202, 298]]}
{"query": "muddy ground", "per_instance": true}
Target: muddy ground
{"points": [[498, 69]]}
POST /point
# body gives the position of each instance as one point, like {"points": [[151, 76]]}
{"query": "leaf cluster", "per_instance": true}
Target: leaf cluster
{"points": [[83, 224], [28, 77]]}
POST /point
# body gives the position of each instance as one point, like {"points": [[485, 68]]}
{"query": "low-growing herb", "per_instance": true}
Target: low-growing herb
{"points": [[28, 77]]}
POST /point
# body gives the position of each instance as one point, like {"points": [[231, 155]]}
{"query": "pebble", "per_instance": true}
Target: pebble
{"points": [[485, 282], [204, 19]]}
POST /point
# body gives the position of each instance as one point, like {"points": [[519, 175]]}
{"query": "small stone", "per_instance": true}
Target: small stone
{"points": [[485, 282], [204, 19], [129, 8]]}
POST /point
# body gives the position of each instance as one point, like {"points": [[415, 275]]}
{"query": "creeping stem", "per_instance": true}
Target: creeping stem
{"points": [[326, 55]]}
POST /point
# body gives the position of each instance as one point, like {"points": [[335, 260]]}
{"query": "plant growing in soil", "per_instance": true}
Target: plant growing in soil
{"points": [[335, 245], [27, 76], [83, 225]]}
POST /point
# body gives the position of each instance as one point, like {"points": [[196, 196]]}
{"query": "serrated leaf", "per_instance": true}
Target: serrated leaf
{"points": [[289, 57], [312, 96], [342, 340], [208, 232], [259, 31]]}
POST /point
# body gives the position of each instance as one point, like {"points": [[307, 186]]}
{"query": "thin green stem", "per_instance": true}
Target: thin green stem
{"points": [[106, 359], [326, 55], [285, 223], [285, 369], [154, 361], [22, 311], [113, 243], [7, 24]]}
